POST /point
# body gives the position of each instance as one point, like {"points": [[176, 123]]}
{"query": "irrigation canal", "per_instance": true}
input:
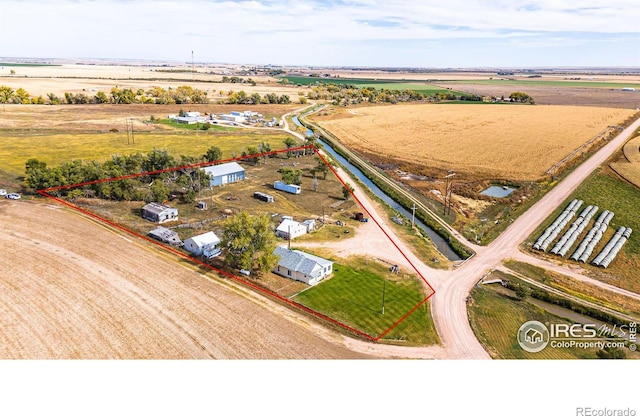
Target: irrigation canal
{"points": [[441, 244]]}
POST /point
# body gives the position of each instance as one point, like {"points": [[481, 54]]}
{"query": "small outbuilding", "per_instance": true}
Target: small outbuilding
{"points": [[206, 245], [166, 236], [290, 229], [159, 213], [301, 266], [225, 173]]}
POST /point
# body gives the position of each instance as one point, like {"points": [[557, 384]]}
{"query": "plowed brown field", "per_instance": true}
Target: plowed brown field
{"points": [[512, 141], [70, 288]]}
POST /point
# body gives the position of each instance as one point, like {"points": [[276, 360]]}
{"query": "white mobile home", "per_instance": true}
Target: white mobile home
{"points": [[301, 266], [292, 189], [203, 245]]}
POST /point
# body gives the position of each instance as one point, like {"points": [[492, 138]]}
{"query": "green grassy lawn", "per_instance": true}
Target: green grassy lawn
{"points": [[420, 86], [353, 296], [606, 191], [496, 317], [193, 127], [55, 149]]}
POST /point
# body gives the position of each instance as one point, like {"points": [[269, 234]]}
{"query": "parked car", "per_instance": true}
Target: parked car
{"points": [[3, 192], [13, 196]]}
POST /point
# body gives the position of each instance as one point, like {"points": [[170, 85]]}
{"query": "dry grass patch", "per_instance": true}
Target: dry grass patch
{"points": [[630, 168], [514, 141]]}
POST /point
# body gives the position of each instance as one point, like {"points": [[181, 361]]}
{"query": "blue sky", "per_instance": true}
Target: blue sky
{"points": [[394, 33]]}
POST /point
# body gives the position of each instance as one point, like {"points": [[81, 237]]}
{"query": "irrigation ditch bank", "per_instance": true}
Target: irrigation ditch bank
{"points": [[394, 196]]}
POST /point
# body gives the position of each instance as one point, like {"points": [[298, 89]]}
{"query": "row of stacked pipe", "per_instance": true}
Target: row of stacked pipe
{"points": [[586, 247]]}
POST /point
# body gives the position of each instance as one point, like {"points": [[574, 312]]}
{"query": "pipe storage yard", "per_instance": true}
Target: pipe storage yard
{"points": [[558, 225], [590, 241], [569, 238], [610, 251], [594, 235]]}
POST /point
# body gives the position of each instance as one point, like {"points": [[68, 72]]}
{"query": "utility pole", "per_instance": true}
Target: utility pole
{"points": [[192, 69], [413, 217], [449, 188], [384, 288]]}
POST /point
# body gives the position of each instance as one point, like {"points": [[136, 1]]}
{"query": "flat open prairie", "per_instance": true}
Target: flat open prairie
{"points": [[70, 289], [519, 142], [89, 79]]}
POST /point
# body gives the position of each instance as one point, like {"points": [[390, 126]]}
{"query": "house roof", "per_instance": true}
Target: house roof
{"points": [[300, 261], [285, 224], [223, 169], [156, 208], [205, 239]]}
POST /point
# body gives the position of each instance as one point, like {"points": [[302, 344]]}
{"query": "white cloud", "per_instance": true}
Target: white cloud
{"points": [[290, 31]]}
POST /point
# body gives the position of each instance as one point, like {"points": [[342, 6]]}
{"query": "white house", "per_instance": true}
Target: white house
{"points": [[301, 266], [225, 173], [203, 245], [290, 229]]}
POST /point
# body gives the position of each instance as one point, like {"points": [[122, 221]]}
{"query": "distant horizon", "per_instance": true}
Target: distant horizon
{"points": [[160, 62], [330, 33]]}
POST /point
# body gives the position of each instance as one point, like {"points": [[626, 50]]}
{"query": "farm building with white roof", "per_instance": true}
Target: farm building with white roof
{"points": [[159, 213], [225, 173], [301, 266], [203, 245]]}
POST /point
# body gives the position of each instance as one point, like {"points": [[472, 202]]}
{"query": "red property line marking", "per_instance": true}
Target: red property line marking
{"points": [[46, 193]]}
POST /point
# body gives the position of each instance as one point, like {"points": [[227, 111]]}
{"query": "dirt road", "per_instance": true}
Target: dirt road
{"points": [[70, 288], [449, 303]]}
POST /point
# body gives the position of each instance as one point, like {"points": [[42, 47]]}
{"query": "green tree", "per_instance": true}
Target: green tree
{"points": [[291, 176], [213, 153], [101, 98], [158, 192], [321, 167], [264, 149], [346, 191], [289, 142], [522, 291], [6, 94], [252, 151], [53, 99], [22, 97], [249, 240], [37, 175]]}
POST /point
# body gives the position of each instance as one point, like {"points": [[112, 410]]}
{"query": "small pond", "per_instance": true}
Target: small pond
{"points": [[498, 191]]}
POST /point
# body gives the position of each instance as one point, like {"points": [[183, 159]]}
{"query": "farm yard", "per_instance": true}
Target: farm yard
{"points": [[518, 142], [324, 204]]}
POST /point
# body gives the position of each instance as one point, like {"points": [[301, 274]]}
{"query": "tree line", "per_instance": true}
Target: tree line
{"points": [[177, 176], [348, 94], [183, 94]]}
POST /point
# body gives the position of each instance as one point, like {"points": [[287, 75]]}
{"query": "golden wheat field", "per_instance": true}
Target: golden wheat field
{"points": [[508, 141]]}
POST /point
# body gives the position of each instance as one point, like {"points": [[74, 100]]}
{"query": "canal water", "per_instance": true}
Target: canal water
{"points": [[442, 244]]}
